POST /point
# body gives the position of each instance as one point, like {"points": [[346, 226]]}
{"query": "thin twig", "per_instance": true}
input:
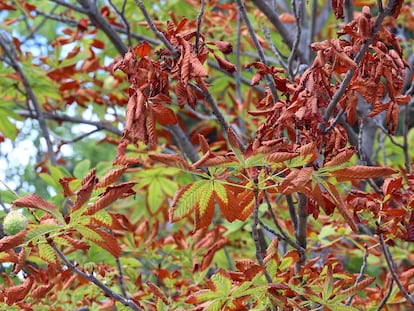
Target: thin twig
{"points": [[91, 278], [120, 273], [255, 233], [183, 142], [101, 22], [216, 111], [121, 14], [298, 17], [237, 76], [385, 298], [199, 20], [242, 79], [390, 264], [281, 29], [270, 83], [65, 118], [32, 99], [70, 6], [360, 275], [154, 29]]}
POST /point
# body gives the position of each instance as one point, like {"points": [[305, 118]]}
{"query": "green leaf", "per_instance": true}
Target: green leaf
{"points": [[40, 231], [47, 253], [82, 168], [103, 217], [88, 233], [187, 198], [6, 127]]}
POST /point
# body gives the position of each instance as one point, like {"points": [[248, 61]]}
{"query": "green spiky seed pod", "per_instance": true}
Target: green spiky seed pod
{"points": [[14, 222]]}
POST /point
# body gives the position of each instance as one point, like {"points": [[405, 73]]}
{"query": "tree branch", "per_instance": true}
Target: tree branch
{"points": [[66, 118], [32, 99], [390, 264], [270, 83], [101, 22], [91, 278], [280, 27]]}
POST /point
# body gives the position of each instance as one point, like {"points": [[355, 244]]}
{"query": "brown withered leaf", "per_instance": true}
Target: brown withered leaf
{"points": [[225, 64], [41, 291], [295, 180], [197, 68], [341, 158], [136, 116], [128, 63], [362, 172], [181, 93], [353, 290], [85, 192], [34, 201], [18, 292], [278, 157], [184, 63], [340, 205], [108, 241], [224, 46], [338, 7], [165, 116], [172, 160], [111, 177], [157, 292], [77, 244], [20, 261], [110, 195], [64, 182]]}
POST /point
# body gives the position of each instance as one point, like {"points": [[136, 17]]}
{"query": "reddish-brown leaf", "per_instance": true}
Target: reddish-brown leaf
{"points": [[224, 46], [20, 261], [143, 49], [108, 242], [391, 184], [309, 151], [410, 228], [18, 292], [225, 64], [295, 180], [342, 209], [77, 244], [229, 208], [11, 241], [165, 116], [64, 182], [111, 177], [362, 172], [203, 217], [157, 292], [172, 160], [341, 158], [110, 195], [41, 291], [84, 193], [34, 201], [278, 157]]}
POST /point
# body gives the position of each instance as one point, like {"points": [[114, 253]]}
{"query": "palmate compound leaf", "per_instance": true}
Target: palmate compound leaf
{"points": [[200, 196]]}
